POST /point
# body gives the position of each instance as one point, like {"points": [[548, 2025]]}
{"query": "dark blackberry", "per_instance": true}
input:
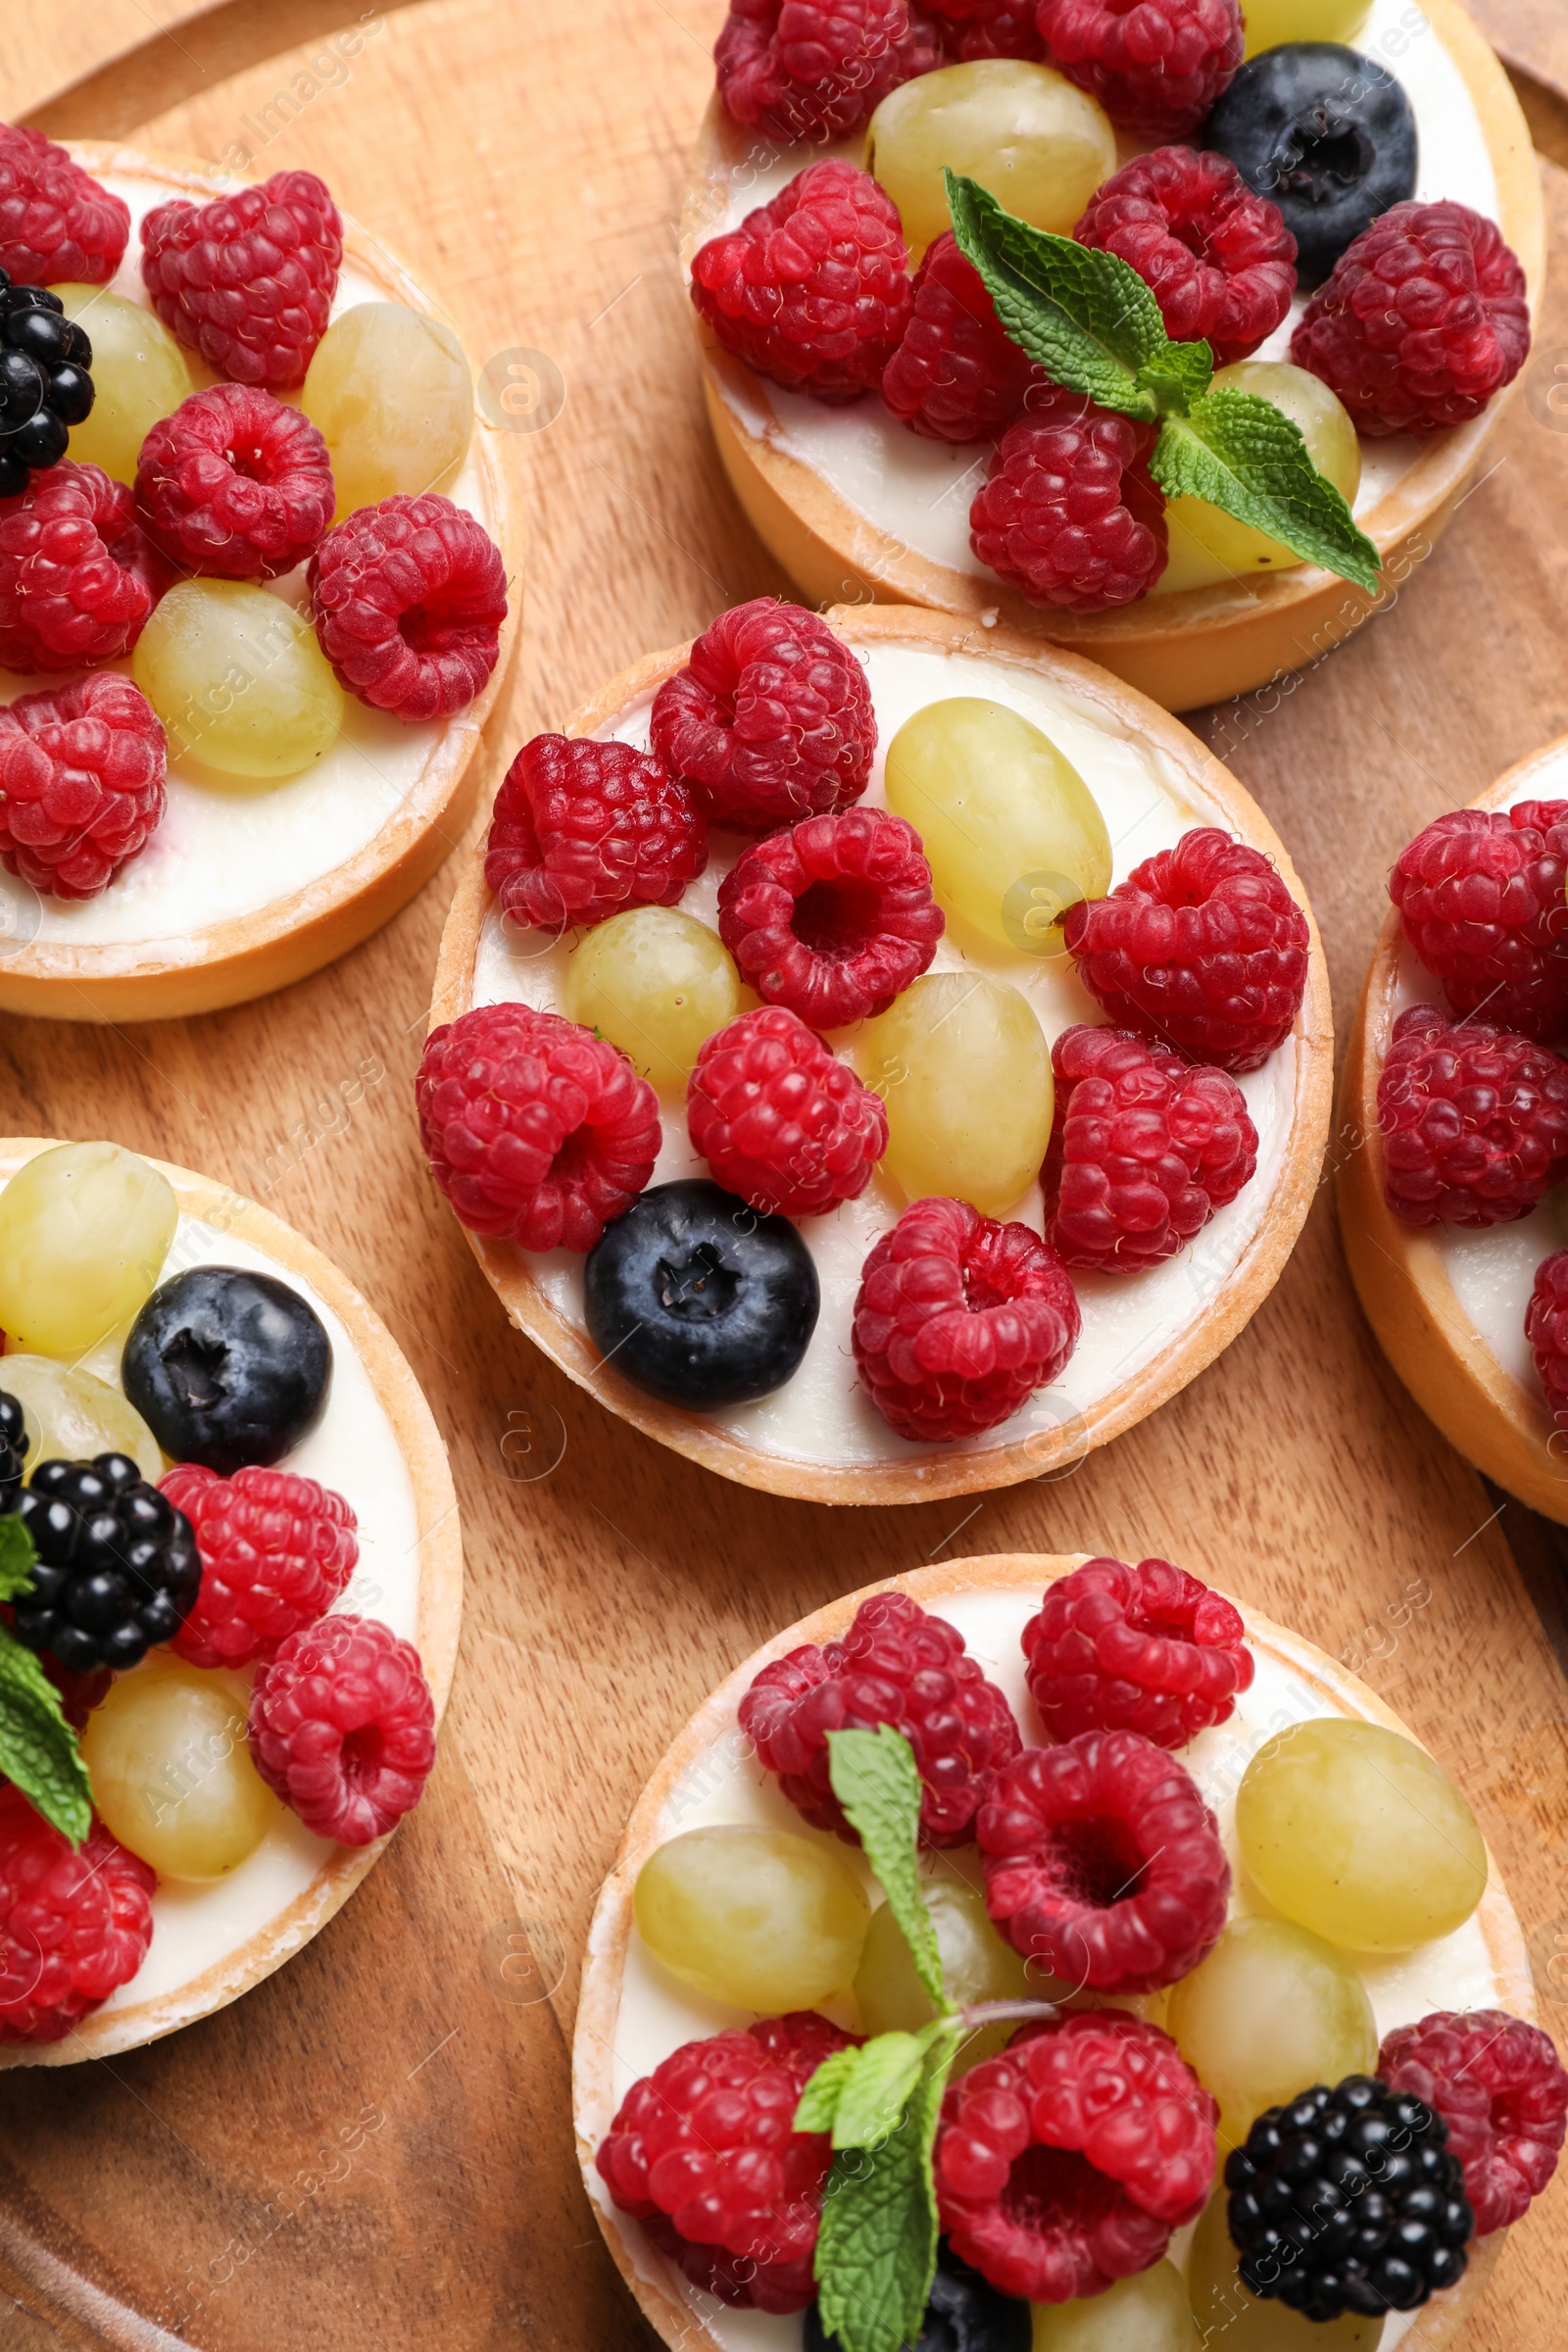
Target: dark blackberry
{"points": [[117, 1569], [45, 382], [1349, 2200], [14, 1444], [964, 2314]]}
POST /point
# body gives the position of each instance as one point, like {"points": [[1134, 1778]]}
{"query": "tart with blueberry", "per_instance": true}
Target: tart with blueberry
{"points": [[257, 583], [230, 1583]]}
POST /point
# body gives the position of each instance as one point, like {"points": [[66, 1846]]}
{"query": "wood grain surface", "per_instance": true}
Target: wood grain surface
{"points": [[374, 2148]]}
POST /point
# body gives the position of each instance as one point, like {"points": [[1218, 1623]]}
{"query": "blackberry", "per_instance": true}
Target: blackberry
{"points": [[1349, 2200], [13, 1442], [45, 382], [117, 1568]]}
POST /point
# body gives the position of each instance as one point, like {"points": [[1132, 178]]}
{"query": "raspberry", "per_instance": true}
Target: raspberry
{"points": [[235, 484], [248, 279], [817, 69], [1067, 2161], [277, 1552], [582, 829], [1219, 259], [1480, 894], [959, 1320], [1068, 511], [813, 290], [1500, 2087], [955, 376], [74, 1925], [1146, 1650], [81, 783], [1425, 318], [408, 600], [1103, 1863], [897, 1666], [1143, 1150], [1203, 947], [976, 29], [781, 1120], [833, 917], [342, 1728], [57, 226], [1155, 66], [704, 2153], [1547, 1329], [78, 574], [1474, 1120], [536, 1130], [769, 720]]}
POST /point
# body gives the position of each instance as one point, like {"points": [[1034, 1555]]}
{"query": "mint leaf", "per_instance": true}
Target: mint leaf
{"points": [[1178, 375], [38, 1748], [877, 1782], [819, 2100], [858, 2095], [876, 2250], [18, 1556], [1241, 455]]}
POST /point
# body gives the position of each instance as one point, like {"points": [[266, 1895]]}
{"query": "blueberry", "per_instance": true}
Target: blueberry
{"points": [[227, 1367], [699, 1300], [965, 2314], [1327, 136]]}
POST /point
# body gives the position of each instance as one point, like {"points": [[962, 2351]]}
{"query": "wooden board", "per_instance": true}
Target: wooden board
{"points": [[375, 2147]]}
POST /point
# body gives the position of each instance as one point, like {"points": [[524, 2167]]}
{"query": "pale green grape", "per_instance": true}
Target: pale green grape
{"points": [[976, 1966], [139, 376], [172, 1775], [964, 1070], [71, 1415], [1270, 21], [1207, 545], [238, 680], [390, 394], [1033, 141], [1271, 2011], [84, 1230], [1235, 2320], [656, 983], [760, 1918], [1147, 2312]]}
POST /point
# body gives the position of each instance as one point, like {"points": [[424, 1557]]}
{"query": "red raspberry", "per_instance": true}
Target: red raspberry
{"points": [[1425, 318], [816, 68], [959, 1320], [1547, 1329], [1219, 259], [536, 1130], [1475, 1122], [769, 720], [976, 29], [408, 600], [1201, 947], [1155, 66], [956, 376], [897, 1666], [781, 1120], [1143, 1150], [1146, 1650], [248, 279], [1103, 1863], [57, 226], [72, 1926], [1500, 2087], [342, 1728], [705, 2154], [1066, 2162], [235, 484], [277, 1553], [81, 783], [1481, 893], [582, 829], [1069, 512], [78, 575], [832, 917]]}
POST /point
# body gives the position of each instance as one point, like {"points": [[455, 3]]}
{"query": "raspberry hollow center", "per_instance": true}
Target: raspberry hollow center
{"points": [[1050, 2188], [1097, 1863], [429, 628], [837, 918], [251, 462]]}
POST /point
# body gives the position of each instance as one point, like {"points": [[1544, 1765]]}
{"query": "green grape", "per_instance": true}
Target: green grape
{"points": [[171, 1774], [976, 1966], [1357, 1833], [1235, 2320], [1147, 2312], [1037, 145], [1271, 2011], [1207, 545], [759, 1918], [964, 1070], [71, 1415], [656, 982], [84, 1230], [389, 392], [1011, 832], [238, 680], [139, 375], [1271, 21]]}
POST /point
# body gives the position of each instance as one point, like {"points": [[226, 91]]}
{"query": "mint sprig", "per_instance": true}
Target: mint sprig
{"points": [[38, 1749], [877, 1780], [1093, 325], [876, 2250]]}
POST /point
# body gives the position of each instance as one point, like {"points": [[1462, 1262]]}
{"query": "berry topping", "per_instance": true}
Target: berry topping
{"points": [[956, 376], [227, 1368], [236, 484], [769, 720], [408, 600], [248, 279], [1067, 2161], [536, 1131], [833, 917], [779, 1119], [1425, 318], [81, 783], [45, 384], [342, 1728], [816, 68], [976, 29], [116, 1568], [77, 575], [277, 1552], [963, 2312], [1068, 511], [1547, 1329], [704, 2153], [1480, 894], [1219, 260], [1103, 1862], [582, 829], [1474, 1121], [959, 1320], [57, 226], [1143, 1152], [14, 1445], [1155, 66], [1203, 948], [1500, 2087], [74, 1925], [813, 289], [896, 1666], [1146, 1650]]}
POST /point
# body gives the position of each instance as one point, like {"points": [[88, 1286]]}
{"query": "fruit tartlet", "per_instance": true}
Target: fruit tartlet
{"points": [[876, 1058], [258, 586], [1044, 1951], [230, 1583], [1067, 314]]}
